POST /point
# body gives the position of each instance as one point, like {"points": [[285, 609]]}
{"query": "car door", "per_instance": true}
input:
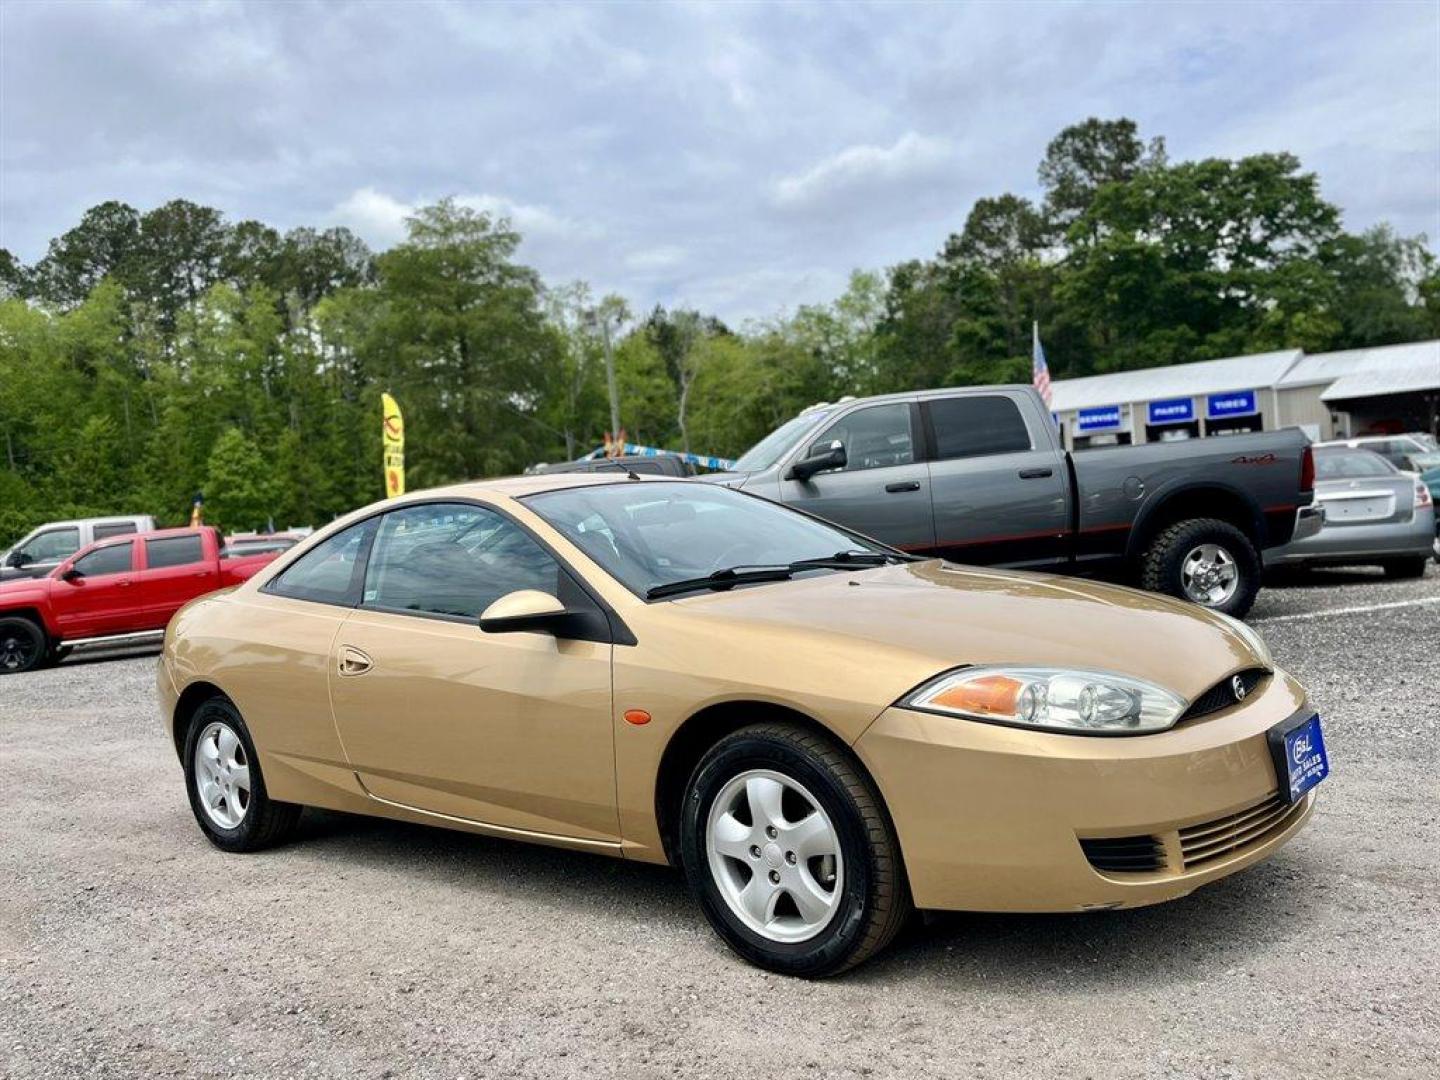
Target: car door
{"points": [[997, 482], [884, 488], [175, 571], [99, 597], [511, 730]]}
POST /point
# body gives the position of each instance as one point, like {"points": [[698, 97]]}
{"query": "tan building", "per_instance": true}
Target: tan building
{"points": [[1386, 389]]}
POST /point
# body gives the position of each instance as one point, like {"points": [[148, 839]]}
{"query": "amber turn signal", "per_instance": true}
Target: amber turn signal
{"points": [[991, 695], [637, 717]]}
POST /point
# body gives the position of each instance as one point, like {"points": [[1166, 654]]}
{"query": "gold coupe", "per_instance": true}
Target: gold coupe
{"points": [[823, 732]]}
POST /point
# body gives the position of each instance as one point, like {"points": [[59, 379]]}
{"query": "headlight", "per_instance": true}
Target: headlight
{"points": [[1251, 637], [1051, 699]]}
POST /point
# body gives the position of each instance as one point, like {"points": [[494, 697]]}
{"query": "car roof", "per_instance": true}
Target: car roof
{"points": [[517, 487]]}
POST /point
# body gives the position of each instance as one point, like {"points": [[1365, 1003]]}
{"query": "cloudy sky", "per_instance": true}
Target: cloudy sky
{"points": [[741, 157]]}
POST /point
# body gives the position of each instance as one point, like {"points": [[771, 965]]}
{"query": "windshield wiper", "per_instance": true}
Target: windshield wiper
{"points": [[748, 574]]}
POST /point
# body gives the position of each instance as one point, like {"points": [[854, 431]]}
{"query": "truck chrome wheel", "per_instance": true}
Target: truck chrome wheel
{"points": [[222, 775], [1209, 575], [775, 856]]}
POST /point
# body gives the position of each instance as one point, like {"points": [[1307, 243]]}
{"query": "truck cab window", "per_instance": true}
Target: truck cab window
{"points": [[977, 425]]}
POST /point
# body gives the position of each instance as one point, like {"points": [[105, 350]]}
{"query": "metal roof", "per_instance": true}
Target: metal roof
{"points": [[1178, 380], [1314, 369], [1415, 376]]}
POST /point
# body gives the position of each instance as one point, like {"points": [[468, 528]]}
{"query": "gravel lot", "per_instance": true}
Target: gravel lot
{"points": [[130, 947]]}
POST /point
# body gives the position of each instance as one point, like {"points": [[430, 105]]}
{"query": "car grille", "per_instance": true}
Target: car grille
{"points": [[1125, 854], [1204, 843], [1222, 694], [1196, 845]]}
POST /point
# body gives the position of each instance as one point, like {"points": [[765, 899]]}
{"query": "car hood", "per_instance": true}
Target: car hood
{"points": [[909, 622]]}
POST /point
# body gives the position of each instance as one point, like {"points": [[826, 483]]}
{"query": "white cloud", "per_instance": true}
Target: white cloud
{"points": [[864, 169], [663, 257], [380, 217], [377, 217]]}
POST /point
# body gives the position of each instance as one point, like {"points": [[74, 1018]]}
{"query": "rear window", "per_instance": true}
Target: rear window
{"points": [[115, 528], [173, 551], [977, 425], [1350, 465]]}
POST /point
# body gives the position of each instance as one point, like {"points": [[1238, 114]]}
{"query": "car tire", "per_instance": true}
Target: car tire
{"points": [[1180, 556], [225, 785], [821, 913], [1405, 568], [23, 646]]}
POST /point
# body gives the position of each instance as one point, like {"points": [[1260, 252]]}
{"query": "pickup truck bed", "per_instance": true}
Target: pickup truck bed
{"points": [[120, 589], [978, 475]]}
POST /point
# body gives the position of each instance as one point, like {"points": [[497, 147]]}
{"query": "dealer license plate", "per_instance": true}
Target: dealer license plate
{"points": [[1298, 749]]}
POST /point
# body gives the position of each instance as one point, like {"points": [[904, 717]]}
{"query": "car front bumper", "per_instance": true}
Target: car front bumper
{"points": [[1361, 543], [991, 818]]}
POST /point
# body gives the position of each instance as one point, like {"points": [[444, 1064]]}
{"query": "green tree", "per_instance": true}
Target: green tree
{"points": [[239, 488]]}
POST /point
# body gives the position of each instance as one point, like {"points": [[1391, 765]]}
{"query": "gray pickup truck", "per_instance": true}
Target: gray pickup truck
{"points": [[979, 475]]}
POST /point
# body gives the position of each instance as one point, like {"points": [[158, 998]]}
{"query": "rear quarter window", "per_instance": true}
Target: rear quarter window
{"points": [[327, 573]]}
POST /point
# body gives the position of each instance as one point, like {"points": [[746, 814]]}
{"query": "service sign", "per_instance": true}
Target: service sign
{"points": [[1235, 403], [1172, 411], [1104, 418]]}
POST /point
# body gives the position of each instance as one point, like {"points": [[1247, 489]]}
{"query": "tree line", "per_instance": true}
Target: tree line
{"points": [[151, 355]]}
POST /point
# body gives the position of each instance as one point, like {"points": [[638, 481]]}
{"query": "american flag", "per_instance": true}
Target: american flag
{"points": [[1040, 372]]}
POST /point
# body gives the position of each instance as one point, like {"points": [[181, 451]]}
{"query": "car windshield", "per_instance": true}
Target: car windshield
{"points": [[656, 533], [773, 446], [1348, 464]]}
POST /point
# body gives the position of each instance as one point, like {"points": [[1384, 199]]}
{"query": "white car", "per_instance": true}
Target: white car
{"points": [[46, 547]]}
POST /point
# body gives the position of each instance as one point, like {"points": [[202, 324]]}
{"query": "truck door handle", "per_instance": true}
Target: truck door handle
{"points": [[1036, 474], [353, 661], [902, 485]]}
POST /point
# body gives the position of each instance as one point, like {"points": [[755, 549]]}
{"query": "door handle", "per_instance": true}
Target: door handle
{"points": [[124, 584], [1036, 474], [903, 485], [353, 661]]}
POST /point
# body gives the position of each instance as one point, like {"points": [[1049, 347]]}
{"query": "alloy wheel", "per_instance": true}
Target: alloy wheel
{"points": [[16, 652], [222, 775], [775, 856], [1209, 575]]}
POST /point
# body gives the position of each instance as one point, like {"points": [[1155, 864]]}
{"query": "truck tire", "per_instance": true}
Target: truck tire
{"points": [[1405, 568], [22, 646], [1206, 561]]}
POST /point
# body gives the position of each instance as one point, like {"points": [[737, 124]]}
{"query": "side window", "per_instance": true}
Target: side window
{"points": [[114, 559], [115, 528], [327, 572], [976, 425], [453, 559], [874, 438], [53, 545], [173, 551]]}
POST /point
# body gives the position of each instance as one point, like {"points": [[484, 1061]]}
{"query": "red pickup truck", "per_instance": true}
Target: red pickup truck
{"points": [[122, 589]]}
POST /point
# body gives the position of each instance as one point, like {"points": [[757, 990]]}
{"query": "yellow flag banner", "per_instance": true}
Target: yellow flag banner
{"points": [[393, 436]]}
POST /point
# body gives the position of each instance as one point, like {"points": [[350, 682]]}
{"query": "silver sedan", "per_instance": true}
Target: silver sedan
{"points": [[1374, 515]]}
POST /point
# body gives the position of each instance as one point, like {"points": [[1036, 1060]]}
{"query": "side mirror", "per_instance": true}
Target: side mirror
{"points": [[833, 458], [524, 610], [17, 559], [71, 574]]}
